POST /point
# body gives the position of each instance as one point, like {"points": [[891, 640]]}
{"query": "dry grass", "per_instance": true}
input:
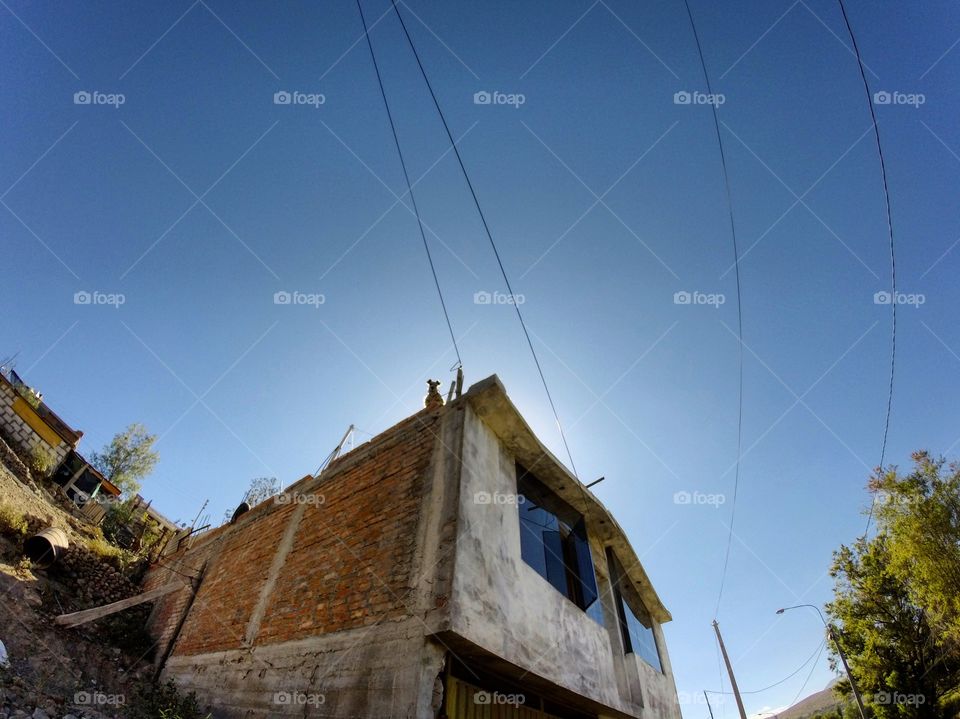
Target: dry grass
{"points": [[103, 549], [12, 521]]}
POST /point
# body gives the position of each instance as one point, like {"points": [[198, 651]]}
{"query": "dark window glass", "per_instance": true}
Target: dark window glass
{"points": [[636, 625], [553, 540], [643, 643]]}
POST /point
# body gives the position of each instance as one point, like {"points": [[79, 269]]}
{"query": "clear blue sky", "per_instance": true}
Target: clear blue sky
{"points": [[104, 199]]}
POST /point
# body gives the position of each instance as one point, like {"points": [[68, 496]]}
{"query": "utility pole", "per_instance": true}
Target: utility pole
{"points": [[733, 679], [832, 634], [843, 659]]}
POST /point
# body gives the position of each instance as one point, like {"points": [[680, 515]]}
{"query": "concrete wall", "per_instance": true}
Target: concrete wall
{"points": [[503, 605], [20, 431]]}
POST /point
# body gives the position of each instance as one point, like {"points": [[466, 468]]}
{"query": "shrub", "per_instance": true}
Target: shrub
{"points": [[12, 521], [42, 461], [30, 395], [105, 551], [163, 701]]}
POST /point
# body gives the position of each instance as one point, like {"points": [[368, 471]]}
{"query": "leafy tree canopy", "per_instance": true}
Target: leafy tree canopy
{"points": [[897, 596], [128, 458]]}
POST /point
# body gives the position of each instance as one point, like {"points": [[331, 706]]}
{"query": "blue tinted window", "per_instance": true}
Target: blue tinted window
{"points": [[595, 612], [636, 625], [553, 541], [643, 643]]}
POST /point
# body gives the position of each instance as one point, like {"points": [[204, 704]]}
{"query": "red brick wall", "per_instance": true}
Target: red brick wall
{"points": [[238, 565], [351, 560], [350, 563]]}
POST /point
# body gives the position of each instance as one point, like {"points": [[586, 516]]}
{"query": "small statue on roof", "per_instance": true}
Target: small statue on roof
{"points": [[433, 400]]}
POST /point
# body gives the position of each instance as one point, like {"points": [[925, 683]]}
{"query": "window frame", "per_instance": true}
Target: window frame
{"points": [[580, 584], [626, 603]]}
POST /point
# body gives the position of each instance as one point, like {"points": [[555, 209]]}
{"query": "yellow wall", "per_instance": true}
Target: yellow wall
{"points": [[28, 415]]}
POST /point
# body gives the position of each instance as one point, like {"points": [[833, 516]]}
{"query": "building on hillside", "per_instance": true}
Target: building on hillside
{"points": [[449, 567], [29, 423], [81, 481]]}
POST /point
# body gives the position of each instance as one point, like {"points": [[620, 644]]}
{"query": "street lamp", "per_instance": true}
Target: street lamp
{"points": [[831, 632]]}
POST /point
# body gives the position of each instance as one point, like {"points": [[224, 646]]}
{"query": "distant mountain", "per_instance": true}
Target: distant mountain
{"points": [[823, 700]]}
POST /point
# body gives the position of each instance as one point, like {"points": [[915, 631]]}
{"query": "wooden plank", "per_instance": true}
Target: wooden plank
{"points": [[89, 615]]}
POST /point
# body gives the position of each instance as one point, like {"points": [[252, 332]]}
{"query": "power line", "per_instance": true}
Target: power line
{"points": [[812, 668], [486, 228], [792, 674], [893, 257], [406, 177], [736, 264]]}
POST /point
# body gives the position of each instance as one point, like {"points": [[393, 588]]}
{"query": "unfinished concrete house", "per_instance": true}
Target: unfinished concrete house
{"points": [[449, 567]]}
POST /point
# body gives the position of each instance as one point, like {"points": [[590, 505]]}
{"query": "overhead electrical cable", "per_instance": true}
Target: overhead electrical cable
{"points": [[406, 177], [810, 674], [791, 675], [489, 234], [736, 264], [893, 257]]}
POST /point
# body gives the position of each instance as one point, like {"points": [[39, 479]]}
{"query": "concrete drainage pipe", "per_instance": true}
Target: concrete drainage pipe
{"points": [[46, 547]]}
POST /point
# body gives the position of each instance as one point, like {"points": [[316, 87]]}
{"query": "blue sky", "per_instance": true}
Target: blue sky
{"points": [[199, 198]]}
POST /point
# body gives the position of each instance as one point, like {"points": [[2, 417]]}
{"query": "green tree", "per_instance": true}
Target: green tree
{"points": [[128, 458], [261, 488], [894, 657], [920, 513]]}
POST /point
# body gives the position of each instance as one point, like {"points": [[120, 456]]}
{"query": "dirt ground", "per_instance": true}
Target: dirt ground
{"points": [[51, 668]]}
